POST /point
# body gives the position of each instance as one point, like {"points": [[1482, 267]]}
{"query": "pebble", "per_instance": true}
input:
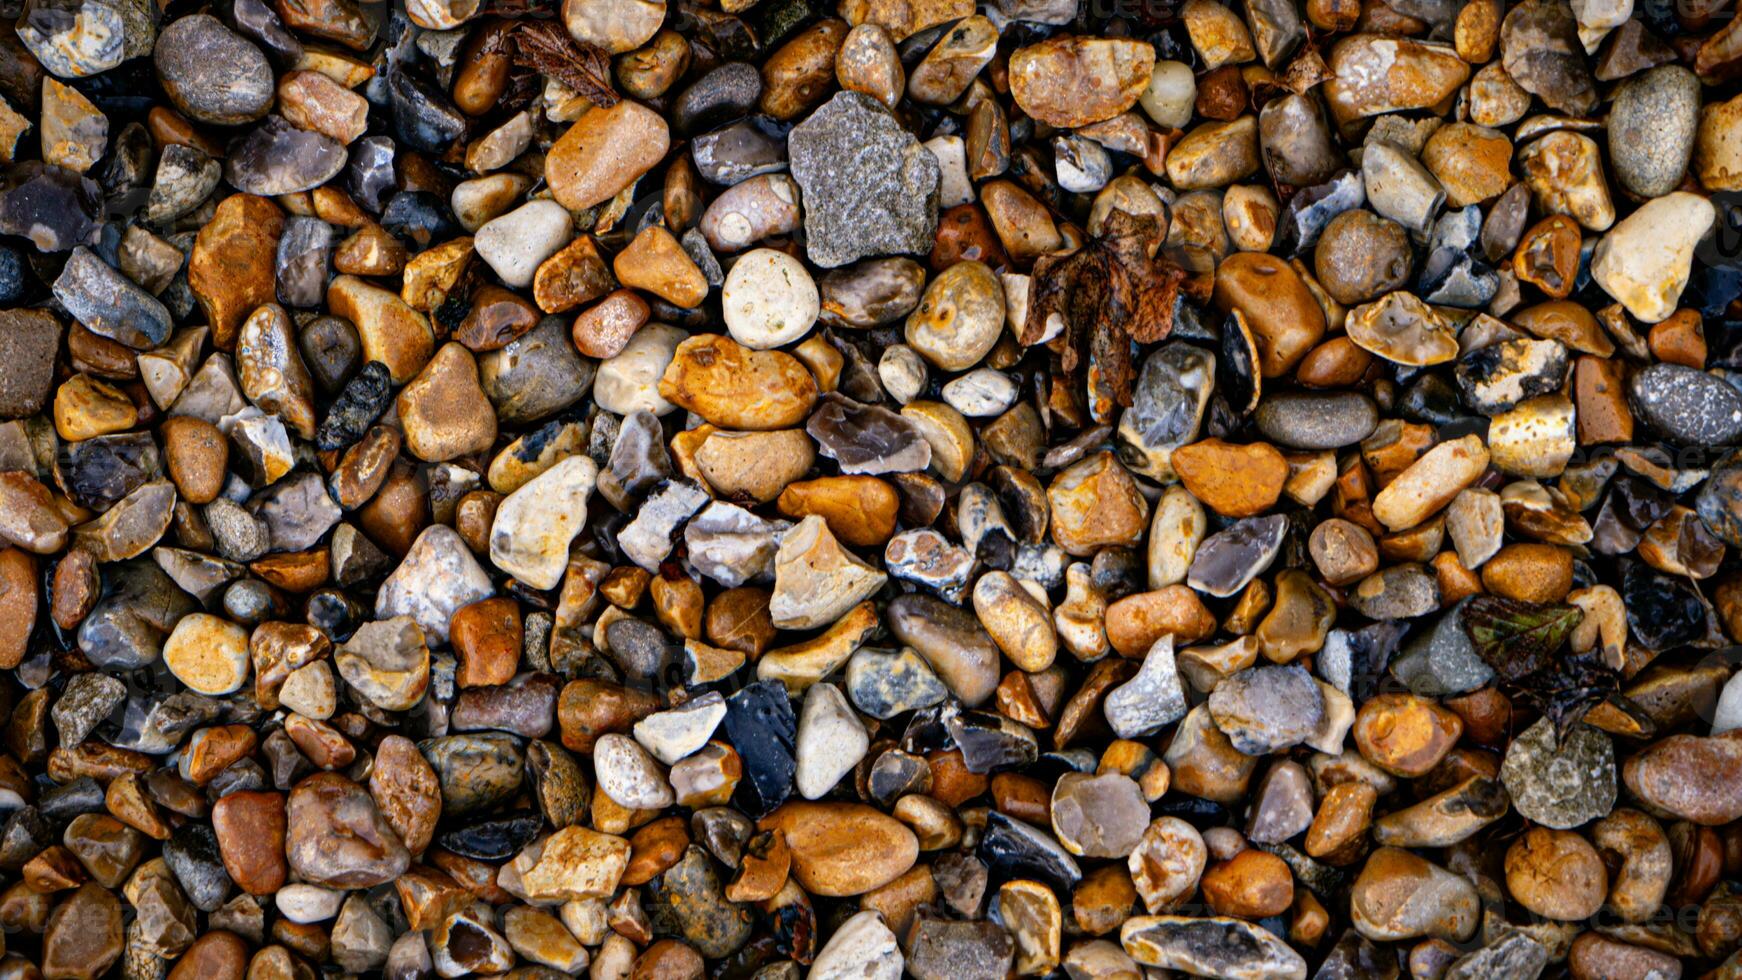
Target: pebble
{"points": [[515, 244], [769, 300], [1645, 259], [831, 741], [886, 202], [604, 152], [188, 56], [436, 577], [530, 536], [1688, 406]]}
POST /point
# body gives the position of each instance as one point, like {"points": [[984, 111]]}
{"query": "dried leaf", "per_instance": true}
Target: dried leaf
{"points": [[1518, 638], [1570, 688], [548, 48], [1109, 293]]}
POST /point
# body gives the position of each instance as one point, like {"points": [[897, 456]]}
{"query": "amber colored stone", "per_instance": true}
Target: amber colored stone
{"points": [[476, 877], [605, 328], [1681, 339], [1530, 572], [1487, 715], [1337, 363], [860, 510], [487, 637], [900, 900], [497, 317], [473, 517], [127, 798], [1393, 447], [74, 591], [588, 708], [18, 602], [1023, 797], [738, 619], [214, 749], [1233, 480], [370, 251], [1016, 700], [1455, 581], [1135, 622], [296, 572], [1254, 601], [398, 512], [1404, 734], [1222, 94], [1310, 919], [1340, 824], [217, 955], [335, 207], [1250, 885], [763, 872], [624, 586], [576, 274], [1103, 899], [965, 233], [678, 602], [96, 760], [250, 827], [1082, 715], [655, 848], [1548, 255], [230, 269], [54, 869], [951, 781], [429, 895], [667, 959], [168, 127]]}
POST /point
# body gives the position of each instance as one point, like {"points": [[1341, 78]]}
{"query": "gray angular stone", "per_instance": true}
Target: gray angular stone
{"points": [[647, 539], [1562, 783], [109, 304], [537, 375], [1152, 699], [869, 187], [438, 576], [1441, 660], [1167, 407], [731, 545]]}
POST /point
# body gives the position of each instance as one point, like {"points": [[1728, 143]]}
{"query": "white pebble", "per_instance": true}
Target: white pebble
{"points": [[953, 185], [902, 372], [981, 393], [629, 382], [515, 244], [1171, 94], [769, 299]]}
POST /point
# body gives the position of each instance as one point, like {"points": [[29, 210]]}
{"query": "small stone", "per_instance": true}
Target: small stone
{"points": [[515, 244], [816, 580], [1074, 81], [1401, 896], [1690, 407], [534, 525], [884, 201], [830, 742], [1645, 259], [444, 410], [437, 577], [208, 654], [959, 317], [628, 775], [211, 73], [604, 152]]}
